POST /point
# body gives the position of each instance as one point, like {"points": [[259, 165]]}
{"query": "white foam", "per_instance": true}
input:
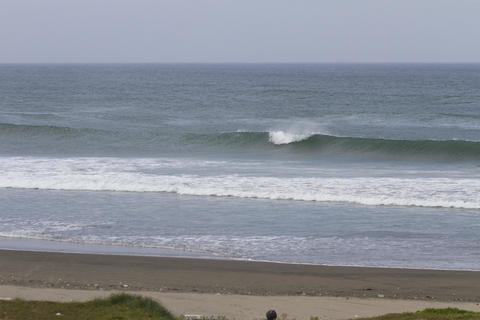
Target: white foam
{"points": [[329, 250], [132, 175], [282, 137]]}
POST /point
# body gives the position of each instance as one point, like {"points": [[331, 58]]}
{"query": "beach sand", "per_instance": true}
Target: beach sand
{"points": [[247, 307], [237, 289]]}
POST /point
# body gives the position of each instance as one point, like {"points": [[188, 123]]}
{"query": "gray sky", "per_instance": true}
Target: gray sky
{"points": [[239, 31]]}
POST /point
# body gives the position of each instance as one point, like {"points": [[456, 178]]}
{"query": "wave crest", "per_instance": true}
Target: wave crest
{"points": [[330, 145], [282, 137]]}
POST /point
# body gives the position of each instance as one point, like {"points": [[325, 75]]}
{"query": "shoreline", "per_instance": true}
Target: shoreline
{"points": [[195, 275], [53, 246]]}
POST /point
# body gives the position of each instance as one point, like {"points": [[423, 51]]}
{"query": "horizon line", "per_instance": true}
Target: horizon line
{"points": [[220, 63]]}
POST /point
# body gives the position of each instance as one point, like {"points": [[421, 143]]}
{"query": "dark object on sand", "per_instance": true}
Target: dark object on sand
{"points": [[271, 315]]}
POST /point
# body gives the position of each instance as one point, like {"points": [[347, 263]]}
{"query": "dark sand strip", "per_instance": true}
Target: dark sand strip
{"points": [[109, 272]]}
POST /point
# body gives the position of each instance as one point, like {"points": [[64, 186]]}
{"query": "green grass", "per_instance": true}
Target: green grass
{"points": [[430, 314], [427, 314], [116, 307]]}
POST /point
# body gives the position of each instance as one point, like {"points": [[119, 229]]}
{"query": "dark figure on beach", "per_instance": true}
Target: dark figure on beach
{"points": [[271, 315]]}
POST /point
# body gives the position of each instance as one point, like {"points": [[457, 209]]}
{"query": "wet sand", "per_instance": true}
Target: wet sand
{"points": [[111, 272]]}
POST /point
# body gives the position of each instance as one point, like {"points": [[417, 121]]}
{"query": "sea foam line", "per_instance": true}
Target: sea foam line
{"points": [[105, 174]]}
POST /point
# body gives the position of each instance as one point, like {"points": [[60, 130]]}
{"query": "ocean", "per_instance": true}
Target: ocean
{"points": [[332, 164]]}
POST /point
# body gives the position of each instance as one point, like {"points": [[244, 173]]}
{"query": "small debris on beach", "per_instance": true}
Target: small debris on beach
{"points": [[193, 317]]}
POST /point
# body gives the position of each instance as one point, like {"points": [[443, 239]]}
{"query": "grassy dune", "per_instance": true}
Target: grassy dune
{"points": [[430, 314], [116, 307]]}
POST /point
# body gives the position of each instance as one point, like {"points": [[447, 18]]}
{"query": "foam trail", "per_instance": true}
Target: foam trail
{"points": [[136, 175]]}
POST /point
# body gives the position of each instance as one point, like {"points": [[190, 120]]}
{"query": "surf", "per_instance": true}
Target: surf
{"points": [[437, 189]]}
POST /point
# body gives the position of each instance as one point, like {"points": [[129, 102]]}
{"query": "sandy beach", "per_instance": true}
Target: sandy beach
{"points": [[236, 289], [245, 306]]}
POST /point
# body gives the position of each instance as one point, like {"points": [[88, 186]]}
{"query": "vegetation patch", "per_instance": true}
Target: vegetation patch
{"points": [[116, 307], [430, 314], [131, 307]]}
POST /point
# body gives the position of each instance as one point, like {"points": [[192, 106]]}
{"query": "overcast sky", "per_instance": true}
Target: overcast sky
{"points": [[239, 31]]}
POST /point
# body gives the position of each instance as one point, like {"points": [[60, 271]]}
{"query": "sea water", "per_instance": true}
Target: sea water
{"points": [[369, 165]]}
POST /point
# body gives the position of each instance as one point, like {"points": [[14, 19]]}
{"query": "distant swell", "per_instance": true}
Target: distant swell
{"points": [[329, 144], [297, 144], [44, 130]]}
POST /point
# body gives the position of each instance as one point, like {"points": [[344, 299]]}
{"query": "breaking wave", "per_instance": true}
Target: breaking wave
{"points": [[137, 175], [336, 145], [282, 137], [297, 143]]}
